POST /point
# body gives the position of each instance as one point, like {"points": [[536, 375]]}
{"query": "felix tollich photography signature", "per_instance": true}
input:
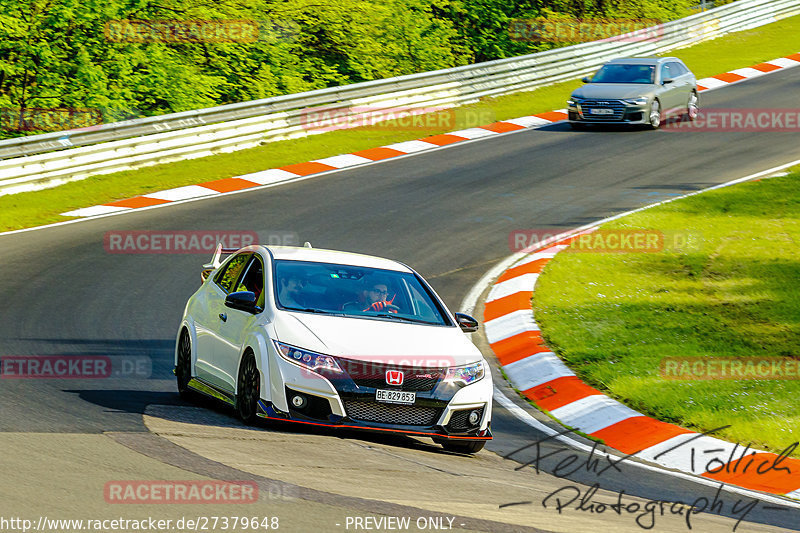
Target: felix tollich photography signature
{"points": [[563, 462]]}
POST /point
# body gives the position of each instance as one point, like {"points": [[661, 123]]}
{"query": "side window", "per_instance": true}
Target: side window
{"points": [[677, 69], [665, 72], [230, 272], [253, 279]]}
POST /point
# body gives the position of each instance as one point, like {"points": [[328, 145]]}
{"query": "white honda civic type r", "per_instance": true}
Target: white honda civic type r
{"points": [[334, 339]]}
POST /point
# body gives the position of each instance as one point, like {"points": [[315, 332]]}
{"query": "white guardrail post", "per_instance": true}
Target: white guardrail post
{"points": [[38, 161]]}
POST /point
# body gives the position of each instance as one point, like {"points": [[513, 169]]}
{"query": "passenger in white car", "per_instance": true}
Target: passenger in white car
{"points": [[290, 292]]}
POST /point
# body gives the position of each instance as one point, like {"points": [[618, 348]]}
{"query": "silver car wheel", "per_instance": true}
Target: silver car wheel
{"points": [[655, 114], [692, 108]]}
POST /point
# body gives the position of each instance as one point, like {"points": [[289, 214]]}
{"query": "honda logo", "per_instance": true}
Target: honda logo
{"points": [[394, 377]]}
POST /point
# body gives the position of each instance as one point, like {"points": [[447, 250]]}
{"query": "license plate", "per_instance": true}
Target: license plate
{"points": [[395, 396], [601, 111]]}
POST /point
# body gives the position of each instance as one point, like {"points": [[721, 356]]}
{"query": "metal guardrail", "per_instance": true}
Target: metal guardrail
{"points": [[45, 160]]}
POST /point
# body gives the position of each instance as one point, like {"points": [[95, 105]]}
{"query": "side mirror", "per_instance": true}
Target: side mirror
{"points": [[243, 301], [466, 323], [665, 81], [586, 79]]}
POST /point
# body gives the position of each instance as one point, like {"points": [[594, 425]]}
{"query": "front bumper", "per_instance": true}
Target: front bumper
{"points": [[268, 411], [608, 112], [338, 400]]}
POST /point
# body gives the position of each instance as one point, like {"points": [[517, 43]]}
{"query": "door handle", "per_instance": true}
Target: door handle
{"points": [[223, 317]]}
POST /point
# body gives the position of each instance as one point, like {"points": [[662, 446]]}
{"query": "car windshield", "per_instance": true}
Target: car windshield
{"points": [[335, 289], [623, 73]]}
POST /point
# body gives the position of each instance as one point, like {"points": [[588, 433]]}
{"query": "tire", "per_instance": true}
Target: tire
{"points": [[183, 369], [692, 107], [469, 447], [248, 389], [655, 115]]}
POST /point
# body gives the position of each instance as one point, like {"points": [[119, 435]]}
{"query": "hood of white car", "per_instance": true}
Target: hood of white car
{"points": [[387, 341]]}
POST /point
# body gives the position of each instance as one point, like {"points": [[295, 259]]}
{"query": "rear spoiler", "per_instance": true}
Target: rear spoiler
{"points": [[216, 260]]}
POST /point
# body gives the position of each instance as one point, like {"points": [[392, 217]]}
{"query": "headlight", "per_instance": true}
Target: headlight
{"points": [[309, 360], [465, 374], [636, 101]]}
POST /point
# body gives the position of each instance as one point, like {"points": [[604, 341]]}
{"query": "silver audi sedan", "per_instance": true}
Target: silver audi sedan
{"points": [[642, 91]]}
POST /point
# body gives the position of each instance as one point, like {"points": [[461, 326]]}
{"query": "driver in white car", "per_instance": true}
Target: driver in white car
{"points": [[374, 297]]}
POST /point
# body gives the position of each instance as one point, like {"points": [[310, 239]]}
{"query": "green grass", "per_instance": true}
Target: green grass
{"points": [[43, 207], [733, 291], [742, 49]]}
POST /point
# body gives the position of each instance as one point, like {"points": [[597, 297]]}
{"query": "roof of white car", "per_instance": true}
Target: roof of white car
{"points": [[319, 255]]}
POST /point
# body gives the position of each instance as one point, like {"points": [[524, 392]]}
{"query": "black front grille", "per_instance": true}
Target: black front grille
{"points": [[459, 419], [617, 108], [384, 413], [373, 375]]}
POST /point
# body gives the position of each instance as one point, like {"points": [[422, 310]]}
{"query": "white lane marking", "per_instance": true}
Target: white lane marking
{"points": [[539, 255], [535, 370], [181, 193], [272, 175], [473, 133], [593, 413], [523, 283], [343, 161], [555, 249], [411, 146], [509, 325], [95, 210], [527, 122], [748, 72], [783, 62], [711, 83]]}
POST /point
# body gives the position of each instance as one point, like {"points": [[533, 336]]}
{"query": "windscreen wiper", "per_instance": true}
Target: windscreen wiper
{"points": [[403, 318], [314, 310]]}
